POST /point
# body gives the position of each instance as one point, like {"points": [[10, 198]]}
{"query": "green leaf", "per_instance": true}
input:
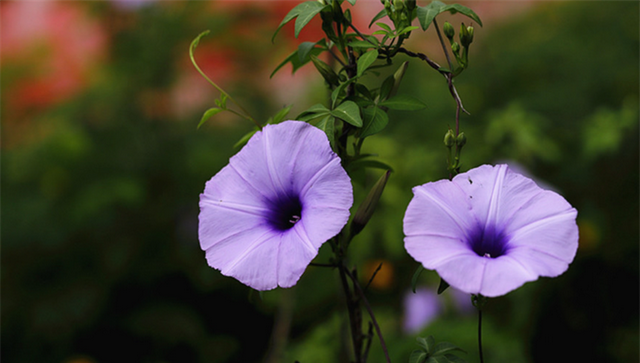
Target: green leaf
{"points": [[369, 42], [385, 27], [244, 139], [208, 113], [386, 88], [287, 18], [367, 163], [366, 60], [407, 29], [442, 286], [309, 116], [222, 102], [280, 115], [326, 71], [437, 359], [313, 112], [360, 44], [427, 343], [379, 16], [306, 10], [426, 14], [303, 50], [457, 8], [352, 2], [375, 120], [317, 108], [414, 279], [349, 112], [364, 91], [454, 359], [289, 58], [327, 124], [443, 348], [336, 92], [403, 103], [294, 58], [417, 356]]}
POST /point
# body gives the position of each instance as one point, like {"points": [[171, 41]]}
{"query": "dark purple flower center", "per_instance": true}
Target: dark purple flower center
{"points": [[285, 211], [488, 242]]}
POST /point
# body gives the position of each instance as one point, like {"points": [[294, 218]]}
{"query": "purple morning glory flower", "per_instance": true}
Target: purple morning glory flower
{"points": [[420, 308], [490, 230], [264, 216]]}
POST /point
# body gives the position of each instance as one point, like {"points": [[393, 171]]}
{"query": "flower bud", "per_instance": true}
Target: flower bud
{"points": [[455, 47], [449, 32], [465, 37], [461, 139], [449, 139], [397, 77], [347, 15], [325, 70], [368, 206], [398, 4]]}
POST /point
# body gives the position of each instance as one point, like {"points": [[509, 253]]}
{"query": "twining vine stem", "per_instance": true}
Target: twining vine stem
{"points": [[354, 318], [353, 303], [357, 287], [436, 66], [446, 54], [245, 114], [480, 335]]}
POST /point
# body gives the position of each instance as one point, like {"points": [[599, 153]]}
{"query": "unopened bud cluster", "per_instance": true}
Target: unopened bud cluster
{"points": [[460, 50], [400, 12], [466, 35]]}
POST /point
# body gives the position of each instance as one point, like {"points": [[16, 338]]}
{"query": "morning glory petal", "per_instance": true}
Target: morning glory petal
{"points": [[257, 264], [294, 254], [498, 230], [264, 216], [228, 205], [464, 272], [439, 208]]}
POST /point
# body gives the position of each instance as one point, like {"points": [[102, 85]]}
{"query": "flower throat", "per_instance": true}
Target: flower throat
{"points": [[487, 242], [286, 211]]}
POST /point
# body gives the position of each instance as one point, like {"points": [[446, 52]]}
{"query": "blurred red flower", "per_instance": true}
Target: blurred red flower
{"points": [[49, 50]]}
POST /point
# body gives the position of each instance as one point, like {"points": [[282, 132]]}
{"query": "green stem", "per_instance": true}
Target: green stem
{"points": [[362, 35], [355, 317], [245, 114], [358, 289], [479, 301], [444, 48], [480, 335]]}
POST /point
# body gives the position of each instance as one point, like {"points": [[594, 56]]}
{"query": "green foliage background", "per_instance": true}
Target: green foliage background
{"points": [[100, 257]]}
